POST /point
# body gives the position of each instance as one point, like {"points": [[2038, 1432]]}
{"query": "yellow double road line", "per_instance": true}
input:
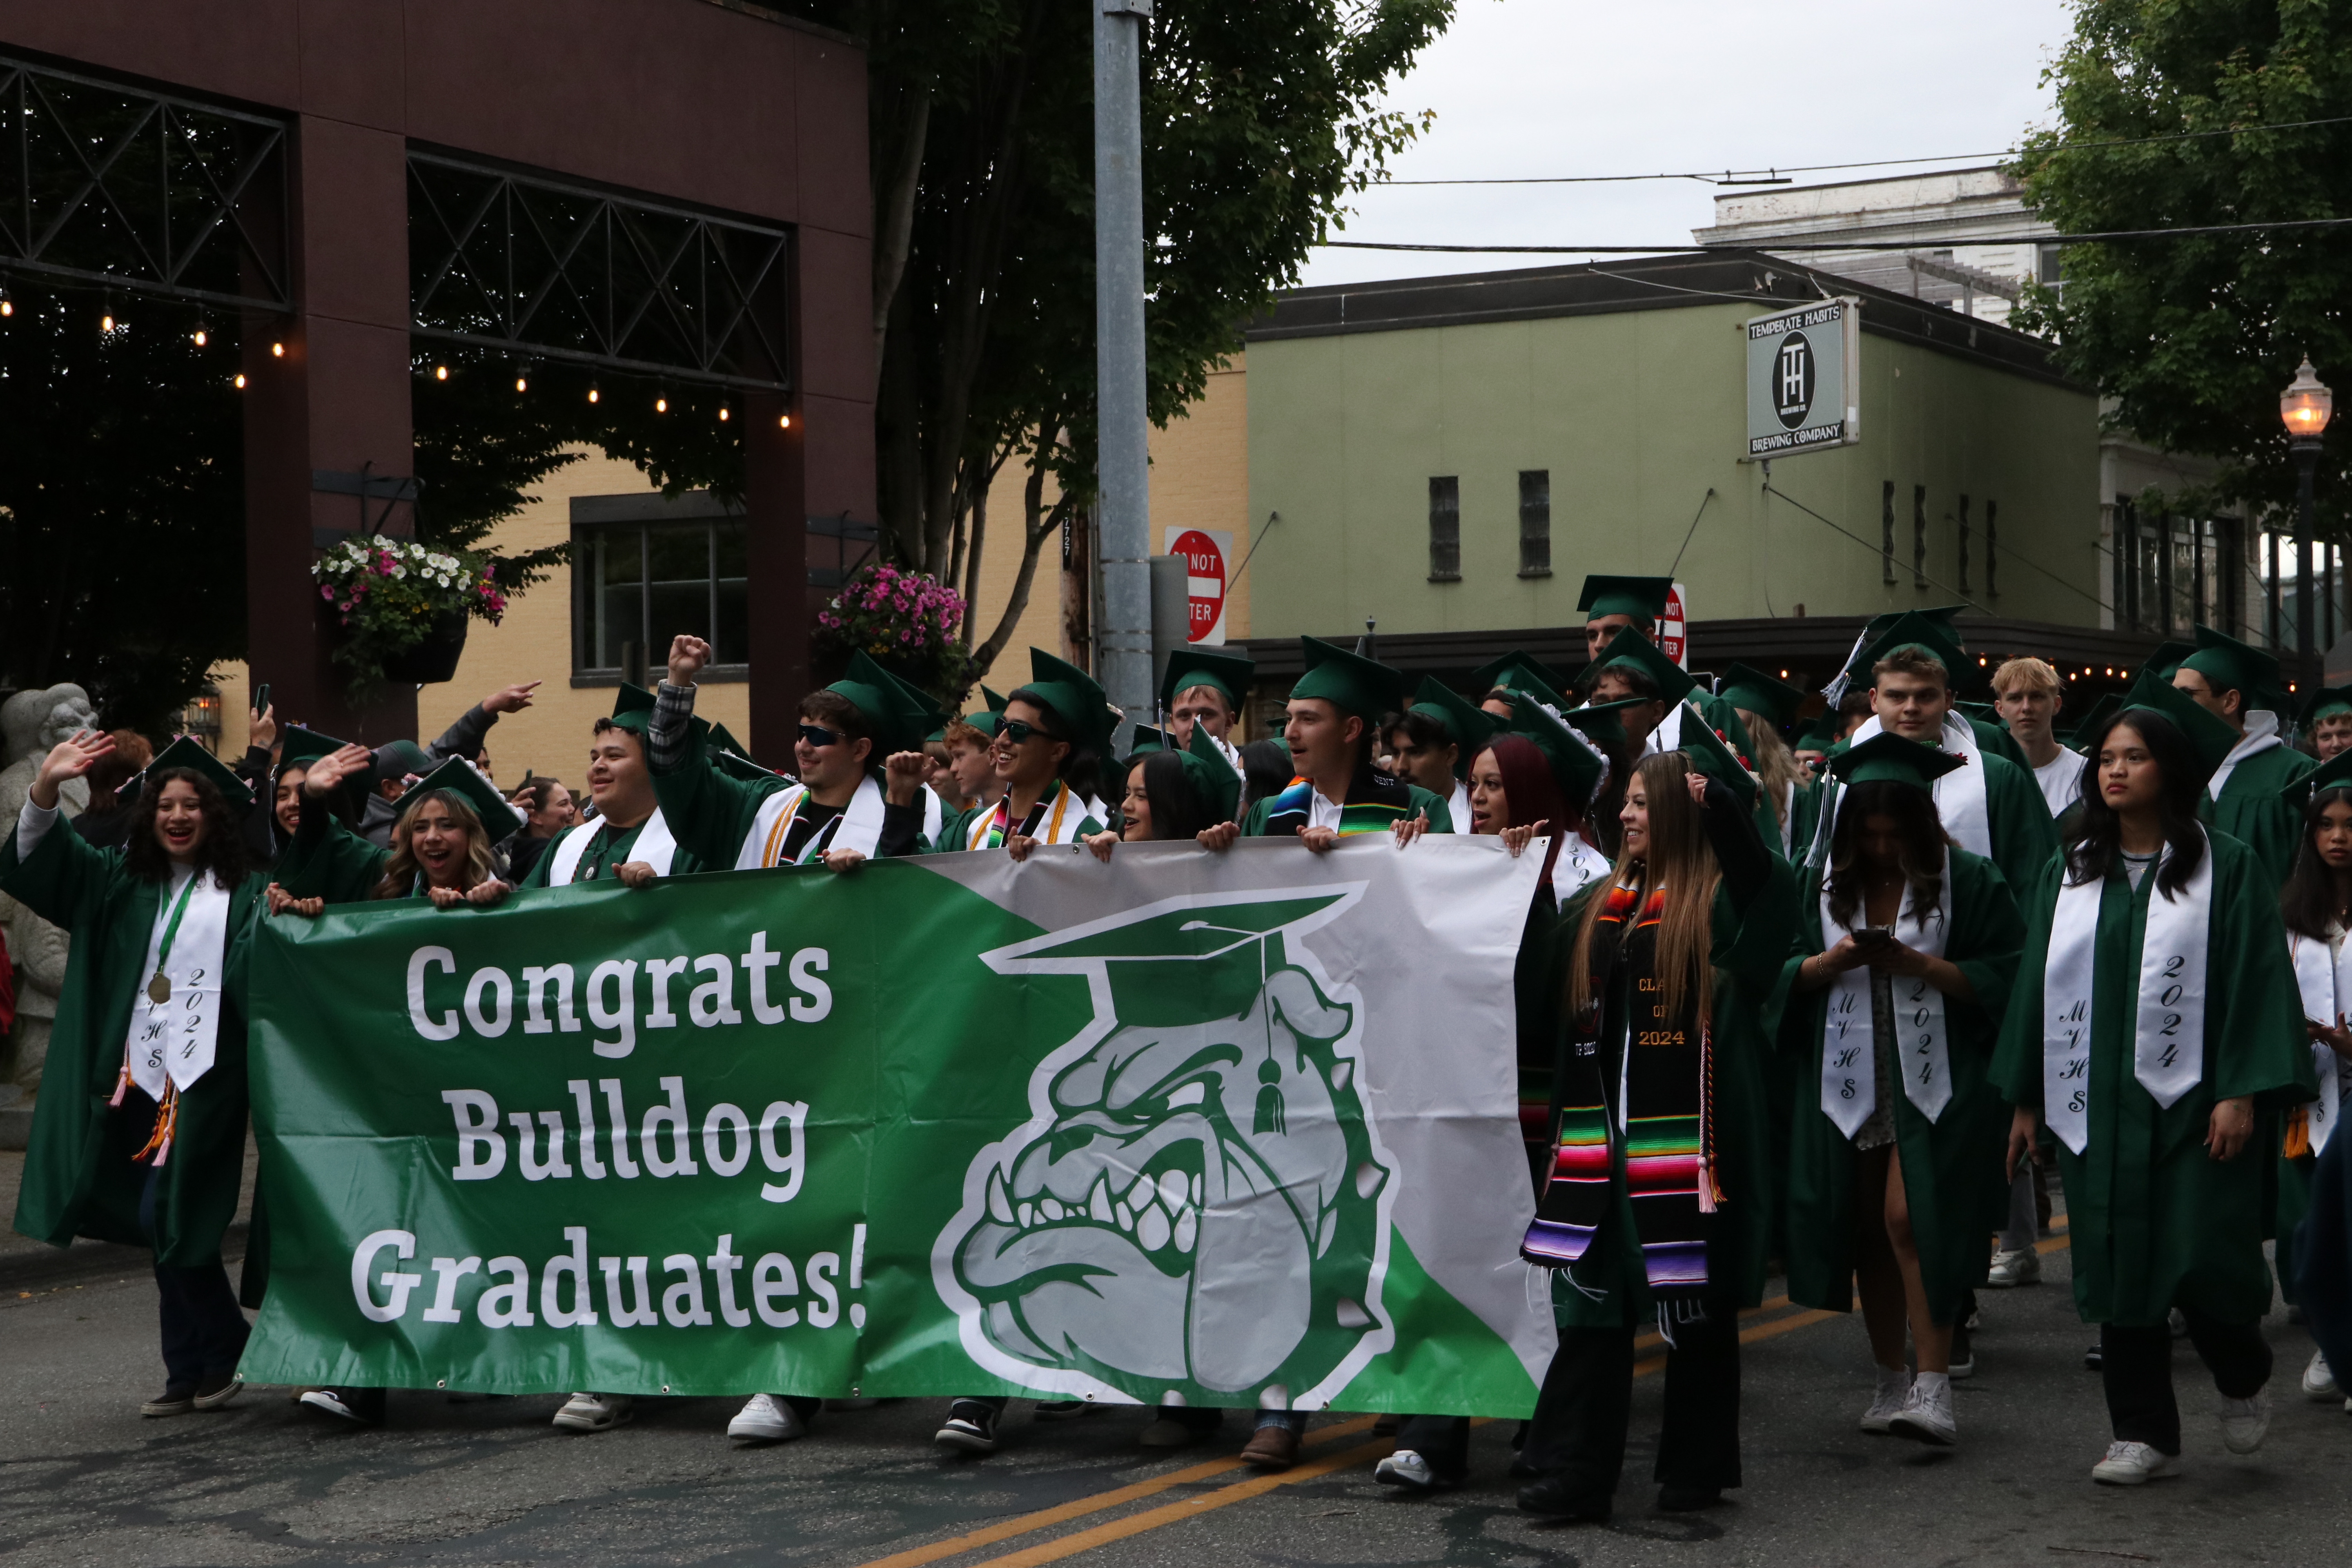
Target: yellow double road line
{"points": [[1768, 1320]]}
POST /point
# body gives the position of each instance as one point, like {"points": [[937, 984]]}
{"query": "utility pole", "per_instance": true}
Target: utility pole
{"points": [[1123, 458]]}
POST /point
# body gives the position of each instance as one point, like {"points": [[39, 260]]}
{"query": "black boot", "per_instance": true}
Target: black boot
{"points": [[1552, 1496]]}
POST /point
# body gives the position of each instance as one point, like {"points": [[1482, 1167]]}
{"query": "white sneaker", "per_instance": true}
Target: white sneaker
{"points": [[2012, 1268], [1409, 1471], [2130, 1464], [595, 1411], [2244, 1423], [1927, 1414], [766, 1418], [2319, 1381], [1893, 1394]]}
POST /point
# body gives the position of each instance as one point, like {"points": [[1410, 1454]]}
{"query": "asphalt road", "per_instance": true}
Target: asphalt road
{"points": [[84, 1480]]}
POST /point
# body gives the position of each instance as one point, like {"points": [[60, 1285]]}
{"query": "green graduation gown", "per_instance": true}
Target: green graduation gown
{"points": [[609, 848], [1607, 1288], [2023, 835], [1952, 1166], [2155, 1222], [2250, 811], [329, 860], [79, 1177]]}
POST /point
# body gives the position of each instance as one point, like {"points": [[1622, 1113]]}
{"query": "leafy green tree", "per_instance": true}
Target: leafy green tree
{"points": [[2194, 336], [1260, 118]]}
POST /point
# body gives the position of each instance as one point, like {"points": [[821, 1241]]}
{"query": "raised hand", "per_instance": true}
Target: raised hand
{"points": [[333, 768], [687, 655], [509, 698], [905, 775], [69, 759], [262, 729]]}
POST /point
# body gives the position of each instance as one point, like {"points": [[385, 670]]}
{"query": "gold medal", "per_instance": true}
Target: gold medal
{"points": [[159, 990]]}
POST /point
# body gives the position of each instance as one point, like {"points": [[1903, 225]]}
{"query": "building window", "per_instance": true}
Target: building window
{"points": [[1886, 533], [1919, 536], [637, 585], [1992, 550], [1445, 530], [1964, 544], [1534, 522]]}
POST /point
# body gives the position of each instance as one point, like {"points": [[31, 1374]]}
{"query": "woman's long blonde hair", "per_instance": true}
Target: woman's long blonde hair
{"points": [[400, 867], [1679, 860], [1775, 763]]}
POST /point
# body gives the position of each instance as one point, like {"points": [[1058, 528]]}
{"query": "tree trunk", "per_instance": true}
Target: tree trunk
{"points": [[895, 219], [1039, 525]]}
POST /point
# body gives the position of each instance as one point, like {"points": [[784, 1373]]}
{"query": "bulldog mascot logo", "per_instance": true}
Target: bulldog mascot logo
{"points": [[1197, 1210]]}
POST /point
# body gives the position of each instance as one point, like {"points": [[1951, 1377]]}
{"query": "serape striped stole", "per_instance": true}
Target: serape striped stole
{"points": [[1667, 1081], [1375, 801]]}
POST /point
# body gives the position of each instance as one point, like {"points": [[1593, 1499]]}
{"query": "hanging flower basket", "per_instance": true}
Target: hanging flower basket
{"points": [[906, 623], [403, 608]]}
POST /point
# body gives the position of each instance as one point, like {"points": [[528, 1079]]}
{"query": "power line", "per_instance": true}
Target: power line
{"points": [[1778, 175], [1777, 247]]}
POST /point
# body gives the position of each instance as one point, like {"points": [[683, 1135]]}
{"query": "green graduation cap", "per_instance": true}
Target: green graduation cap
{"points": [[298, 747], [722, 739], [1212, 780], [1148, 738], [395, 760], [1516, 671], [1577, 765], [1643, 598], [1744, 686], [989, 717], [896, 714], [461, 778], [1630, 650], [1171, 966], [1348, 681], [2209, 737], [189, 752], [1886, 757], [1825, 733], [2096, 717], [1917, 629], [1469, 725], [2166, 658], [2336, 773], [1600, 721], [633, 708], [1188, 667], [2228, 665], [1075, 697], [1707, 750], [732, 757], [2323, 701]]}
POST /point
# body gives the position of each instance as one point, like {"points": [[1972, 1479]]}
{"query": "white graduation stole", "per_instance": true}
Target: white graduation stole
{"points": [[858, 827], [176, 1040], [1922, 1028], [655, 846], [1577, 866], [2168, 1014], [2261, 735], [1458, 807], [1059, 825], [2324, 976]]}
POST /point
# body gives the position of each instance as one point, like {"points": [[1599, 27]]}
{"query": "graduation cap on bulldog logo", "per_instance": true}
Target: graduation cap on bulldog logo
{"points": [[1189, 961]]}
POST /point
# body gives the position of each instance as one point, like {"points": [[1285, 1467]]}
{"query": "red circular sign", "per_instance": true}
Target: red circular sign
{"points": [[1204, 563]]}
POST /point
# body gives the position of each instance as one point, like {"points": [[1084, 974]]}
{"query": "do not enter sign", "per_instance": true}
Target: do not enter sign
{"points": [[1205, 553]]}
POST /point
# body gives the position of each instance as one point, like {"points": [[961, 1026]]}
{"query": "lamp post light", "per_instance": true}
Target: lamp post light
{"points": [[2304, 407]]}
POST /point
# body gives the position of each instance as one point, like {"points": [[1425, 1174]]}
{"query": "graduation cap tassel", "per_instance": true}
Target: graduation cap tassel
{"points": [[1269, 1117]]}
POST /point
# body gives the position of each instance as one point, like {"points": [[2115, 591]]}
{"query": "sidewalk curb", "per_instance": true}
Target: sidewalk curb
{"points": [[88, 1260]]}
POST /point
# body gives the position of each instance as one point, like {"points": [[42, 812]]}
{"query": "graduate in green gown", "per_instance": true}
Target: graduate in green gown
{"points": [[628, 838], [2326, 720], [861, 793], [2156, 1025], [445, 830], [1204, 686], [1766, 706], [1050, 742], [1658, 1203], [1909, 948], [1615, 605], [2240, 686], [139, 1134], [1991, 807], [1437, 739], [2316, 907], [1329, 730]]}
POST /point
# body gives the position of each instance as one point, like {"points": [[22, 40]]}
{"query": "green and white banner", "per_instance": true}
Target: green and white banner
{"points": [[1235, 1129]]}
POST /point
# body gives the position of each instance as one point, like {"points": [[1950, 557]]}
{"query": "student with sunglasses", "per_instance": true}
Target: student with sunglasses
{"points": [[1049, 742], [733, 813]]}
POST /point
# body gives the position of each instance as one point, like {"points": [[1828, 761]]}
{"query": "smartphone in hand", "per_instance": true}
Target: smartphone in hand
{"points": [[261, 697]]}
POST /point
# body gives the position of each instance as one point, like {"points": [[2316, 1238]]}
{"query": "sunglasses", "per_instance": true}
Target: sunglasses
{"points": [[1013, 731], [818, 735]]}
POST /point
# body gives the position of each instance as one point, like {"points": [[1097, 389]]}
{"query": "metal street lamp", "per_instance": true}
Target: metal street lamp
{"points": [[2304, 407]]}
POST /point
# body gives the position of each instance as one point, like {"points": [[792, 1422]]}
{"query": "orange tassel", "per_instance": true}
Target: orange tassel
{"points": [[167, 1116], [2298, 1134]]}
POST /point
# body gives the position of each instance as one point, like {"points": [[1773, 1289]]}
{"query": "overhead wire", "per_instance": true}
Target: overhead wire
{"points": [[1779, 247]]}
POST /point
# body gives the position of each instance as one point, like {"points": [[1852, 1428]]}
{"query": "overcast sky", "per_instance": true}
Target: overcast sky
{"points": [[1570, 87]]}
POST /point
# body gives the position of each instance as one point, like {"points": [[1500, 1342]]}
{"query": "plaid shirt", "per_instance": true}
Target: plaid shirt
{"points": [[665, 736]]}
